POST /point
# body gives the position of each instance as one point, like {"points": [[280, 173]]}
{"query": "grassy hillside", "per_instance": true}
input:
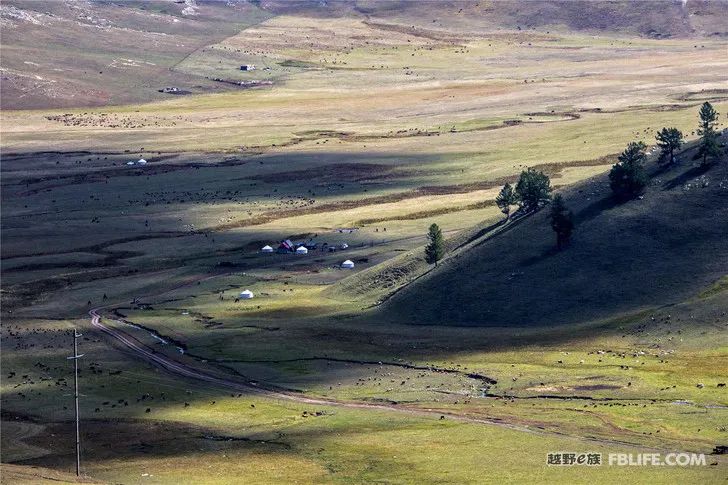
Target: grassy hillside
{"points": [[63, 54], [651, 18], [99, 53], [624, 258]]}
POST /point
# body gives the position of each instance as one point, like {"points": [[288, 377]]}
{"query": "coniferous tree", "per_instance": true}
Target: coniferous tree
{"points": [[533, 189], [435, 249], [628, 177], [708, 133], [562, 221], [669, 140], [505, 199]]}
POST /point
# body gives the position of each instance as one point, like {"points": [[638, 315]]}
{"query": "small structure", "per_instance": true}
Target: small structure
{"points": [[141, 161], [246, 295], [266, 249], [247, 67], [301, 250], [130, 163], [348, 264], [343, 245], [169, 89], [285, 246]]}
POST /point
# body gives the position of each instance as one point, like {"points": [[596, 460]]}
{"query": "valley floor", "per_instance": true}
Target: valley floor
{"points": [[359, 136]]}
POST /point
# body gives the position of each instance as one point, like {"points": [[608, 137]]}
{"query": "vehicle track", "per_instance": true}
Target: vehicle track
{"points": [[248, 386]]}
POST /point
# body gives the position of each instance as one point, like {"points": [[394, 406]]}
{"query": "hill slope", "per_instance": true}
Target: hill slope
{"points": [[623, 258], [78, 53], [96, 53], [648, 18]]}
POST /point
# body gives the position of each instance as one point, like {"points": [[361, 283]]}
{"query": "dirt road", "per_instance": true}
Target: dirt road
{"points": [[240, 385], [246, 386]]}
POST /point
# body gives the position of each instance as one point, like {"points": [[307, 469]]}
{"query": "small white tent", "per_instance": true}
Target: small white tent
{"points": [[301, 250], [246, 295], [266, 249], [344, 246], [141, 162], [348, 264], [130, 163]]}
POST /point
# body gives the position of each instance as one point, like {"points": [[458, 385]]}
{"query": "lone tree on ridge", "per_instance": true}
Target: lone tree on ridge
{"points": [[435, 249]]}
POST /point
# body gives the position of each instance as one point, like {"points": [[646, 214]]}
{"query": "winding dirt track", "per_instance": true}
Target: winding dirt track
{"points": [[185, 370], [188, 371]]}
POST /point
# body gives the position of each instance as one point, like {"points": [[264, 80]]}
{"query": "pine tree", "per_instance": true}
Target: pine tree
{"points": [[533, 189], [505, 199], [435, 249], [708, 134], [562, 221], [669, 140], [628, 177]]}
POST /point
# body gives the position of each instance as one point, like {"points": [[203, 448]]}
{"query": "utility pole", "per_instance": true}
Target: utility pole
{"points": [[75, 358]]}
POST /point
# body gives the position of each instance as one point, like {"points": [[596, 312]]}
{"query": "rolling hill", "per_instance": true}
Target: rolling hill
{"points": [[69, 54], [651, 18], [624, 258], [99, 53]]}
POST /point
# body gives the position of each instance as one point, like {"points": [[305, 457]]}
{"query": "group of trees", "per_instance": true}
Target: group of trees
{"points": [[627, 179], [671, 139], [532, 190]]}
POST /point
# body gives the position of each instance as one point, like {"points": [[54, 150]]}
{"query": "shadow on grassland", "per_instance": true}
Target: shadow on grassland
{"points": [[648, 252]]}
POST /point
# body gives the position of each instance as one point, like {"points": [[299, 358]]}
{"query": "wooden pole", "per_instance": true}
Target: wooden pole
{"points": [[75, 358]]}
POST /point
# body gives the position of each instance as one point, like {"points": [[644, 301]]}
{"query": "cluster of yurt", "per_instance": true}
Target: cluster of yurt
{"points": [[287, 247]]}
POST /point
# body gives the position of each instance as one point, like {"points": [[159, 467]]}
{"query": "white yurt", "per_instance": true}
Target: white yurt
{"points": [[246, 295], [130, 163], [348, 264], [141, 161], [301, 250], [266, 249], [344, 246]]}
